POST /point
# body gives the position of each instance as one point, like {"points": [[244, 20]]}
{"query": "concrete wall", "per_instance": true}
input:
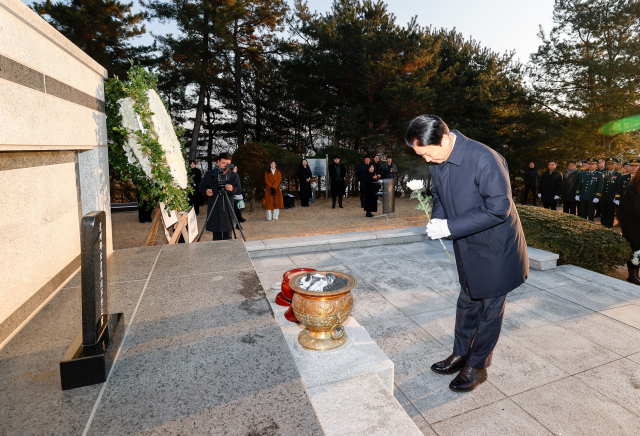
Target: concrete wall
{"points": [[53, 159]]}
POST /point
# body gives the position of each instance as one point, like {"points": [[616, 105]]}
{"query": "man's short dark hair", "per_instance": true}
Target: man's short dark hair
{"points": [[389, 157], [553, 162], [427, 129], [571, 162], [192, 162], [367, 157], [336, 157], [224, 155]]}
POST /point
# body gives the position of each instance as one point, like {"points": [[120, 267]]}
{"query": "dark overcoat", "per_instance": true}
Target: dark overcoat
{"points": [[471, 190], [370, 193], [219, 221], [338, 184], [630, 216], [570, 185], [361, 172], [550, 185], [304, 173]]}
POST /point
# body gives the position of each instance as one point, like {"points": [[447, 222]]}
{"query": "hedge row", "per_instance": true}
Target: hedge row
{"points": [[578, 241]]}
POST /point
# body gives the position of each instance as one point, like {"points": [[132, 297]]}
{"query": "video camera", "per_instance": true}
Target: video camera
{"points": [[225, 177]]}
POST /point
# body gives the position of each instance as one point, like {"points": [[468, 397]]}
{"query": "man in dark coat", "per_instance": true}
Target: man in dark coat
{"points": [[219, 222], [389, 169], [569, 186], [589, 190], [361, 172], [196, 175], [550, 188], [472, 203], [609, 193], [337, 174], [530, 183]]}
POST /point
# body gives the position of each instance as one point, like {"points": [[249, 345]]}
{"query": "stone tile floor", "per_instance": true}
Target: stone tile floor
{"points": [[567, 363]]}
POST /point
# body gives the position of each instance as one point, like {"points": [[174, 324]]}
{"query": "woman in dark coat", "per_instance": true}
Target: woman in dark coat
{"points": [[630, 222], [304, 174], [370, 191]]}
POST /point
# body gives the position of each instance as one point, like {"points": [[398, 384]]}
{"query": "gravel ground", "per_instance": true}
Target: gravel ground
{"points": [[318, 219]]}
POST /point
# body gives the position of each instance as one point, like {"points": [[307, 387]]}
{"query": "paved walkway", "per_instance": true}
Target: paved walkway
{"points": [[567, 363]]}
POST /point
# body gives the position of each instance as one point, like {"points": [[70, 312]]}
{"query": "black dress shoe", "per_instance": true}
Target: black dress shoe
{"points": [[450, 365], [468, 379]]}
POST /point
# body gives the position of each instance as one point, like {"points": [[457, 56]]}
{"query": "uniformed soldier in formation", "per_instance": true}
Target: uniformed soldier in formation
{"points": [[589, 190], [600, 169], [609, 193]]}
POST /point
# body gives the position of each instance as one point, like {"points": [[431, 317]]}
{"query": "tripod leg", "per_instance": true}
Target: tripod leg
{"points": [[232, 214], [208, 216]]}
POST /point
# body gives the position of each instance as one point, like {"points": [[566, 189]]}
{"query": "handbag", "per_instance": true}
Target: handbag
{"points": [[240, 204]]}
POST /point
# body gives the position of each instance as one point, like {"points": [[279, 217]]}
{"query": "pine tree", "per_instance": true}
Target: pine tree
{"points": [[101, 28]]}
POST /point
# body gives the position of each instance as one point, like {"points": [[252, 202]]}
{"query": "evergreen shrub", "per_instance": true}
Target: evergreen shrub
{"points": [[578, 241]]}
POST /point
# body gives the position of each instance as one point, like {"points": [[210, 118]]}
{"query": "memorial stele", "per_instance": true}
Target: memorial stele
{"points": [[53, 159]]}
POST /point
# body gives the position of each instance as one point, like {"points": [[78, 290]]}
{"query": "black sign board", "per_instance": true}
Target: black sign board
{"points": [[89, 358], [94, 276]]}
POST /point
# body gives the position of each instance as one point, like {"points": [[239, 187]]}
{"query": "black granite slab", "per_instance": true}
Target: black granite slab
{"points": [[203, 355]]}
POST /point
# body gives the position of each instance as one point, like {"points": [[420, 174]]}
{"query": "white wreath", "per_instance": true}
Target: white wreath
{"points": [[163, 130]]}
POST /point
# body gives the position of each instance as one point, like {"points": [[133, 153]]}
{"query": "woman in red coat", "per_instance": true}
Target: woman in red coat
{"points": [[273, 195]]}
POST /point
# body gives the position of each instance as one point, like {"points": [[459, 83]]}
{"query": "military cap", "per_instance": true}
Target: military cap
{"points": [[634, 162], [592, 161], [626, 163], [611, 160]]}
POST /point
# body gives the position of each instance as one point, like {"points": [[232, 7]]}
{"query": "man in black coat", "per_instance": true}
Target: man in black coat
{"points": [[219, 222], [472, 203], [550, 188], [569, 187], [530, 183], [196, 175], [361, 172], [337, 174]]}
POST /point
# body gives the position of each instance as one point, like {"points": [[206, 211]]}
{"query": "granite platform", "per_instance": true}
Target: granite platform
{"points": [[567, 362], [202, 354]]}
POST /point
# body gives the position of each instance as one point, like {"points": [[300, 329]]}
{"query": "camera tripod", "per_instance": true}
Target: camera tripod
{"points": [[226, 204]]}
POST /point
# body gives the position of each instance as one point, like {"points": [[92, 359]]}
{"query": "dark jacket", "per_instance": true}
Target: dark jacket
{"points": [[550, 185], [630, 216], [337, 179], [610, 185], [531, 176], [386, 170], [370, 193], [361, 172], [219, 221], [623, 182], [304, 173], [472, 192], [570, 185], [590, 185]]}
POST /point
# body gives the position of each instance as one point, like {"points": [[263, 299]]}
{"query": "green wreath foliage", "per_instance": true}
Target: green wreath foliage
{"points": [[161, 188], [578, 241]]}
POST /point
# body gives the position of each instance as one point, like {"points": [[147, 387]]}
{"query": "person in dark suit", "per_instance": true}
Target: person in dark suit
{"points": [[304, 174], [220, 222], [630, 223], [569, 186], [472, 203], [337, 174], [550, 188], [361, 172], [371, 191]]}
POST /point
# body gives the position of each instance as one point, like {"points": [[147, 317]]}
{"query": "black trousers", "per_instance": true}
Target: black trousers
{"points": [[587, 209], [333, 198], [534, 192], [550, 204], [598, 210], [608, 210], [304, 202], [220, 236], [570, 207], [478, 325], [362, 195]]}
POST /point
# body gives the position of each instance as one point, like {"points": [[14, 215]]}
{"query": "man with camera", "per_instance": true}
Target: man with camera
{"points": [[221, 178]]}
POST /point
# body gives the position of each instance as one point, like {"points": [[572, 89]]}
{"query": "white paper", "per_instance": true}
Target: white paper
{"points": [[167, 220], [192, 225]]}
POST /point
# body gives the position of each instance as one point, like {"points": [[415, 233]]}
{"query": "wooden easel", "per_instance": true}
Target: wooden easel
{"points": [[179, 228]]}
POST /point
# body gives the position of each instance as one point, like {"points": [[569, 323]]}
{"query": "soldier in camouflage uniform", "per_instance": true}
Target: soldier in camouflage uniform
{"points": [[609, 193], [589, 190]]}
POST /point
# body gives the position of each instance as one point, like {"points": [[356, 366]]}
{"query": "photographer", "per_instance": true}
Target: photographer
{"points": [[220, 224]]}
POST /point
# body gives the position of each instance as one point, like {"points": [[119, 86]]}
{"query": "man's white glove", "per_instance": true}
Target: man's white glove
{"points": [[596, 200], [539, 195], [438, 228], [617, 202], [556, 198], [577, 198]]}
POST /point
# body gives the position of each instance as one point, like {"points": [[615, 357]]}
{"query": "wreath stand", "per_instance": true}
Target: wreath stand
{"points": [[179, 228]]}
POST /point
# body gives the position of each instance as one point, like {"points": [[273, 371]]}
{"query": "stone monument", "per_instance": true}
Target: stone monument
{"points": [[90, 357]]}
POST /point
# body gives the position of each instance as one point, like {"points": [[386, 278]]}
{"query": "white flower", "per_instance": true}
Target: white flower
{"points": [[636, 258], [415, 185], [131, 121]]}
